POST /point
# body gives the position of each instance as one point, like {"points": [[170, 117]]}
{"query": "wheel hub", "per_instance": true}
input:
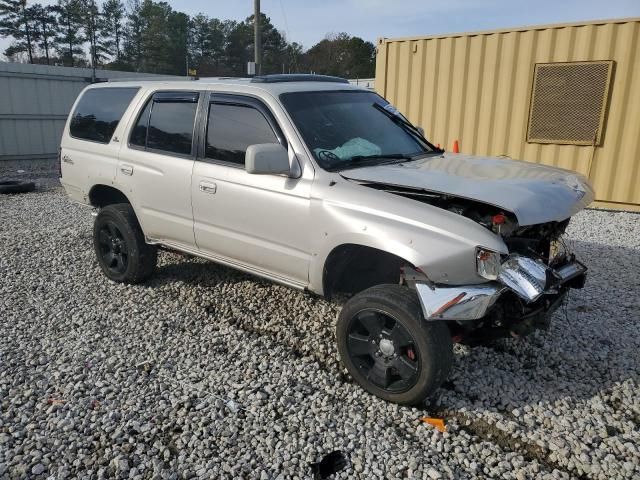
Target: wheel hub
{"points": [[387, 347], [115, 245], [379, 346]]}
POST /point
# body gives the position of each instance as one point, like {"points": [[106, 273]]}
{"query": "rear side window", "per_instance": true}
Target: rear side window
{"points": [[232, 128], [166, 123], [98, 113]]}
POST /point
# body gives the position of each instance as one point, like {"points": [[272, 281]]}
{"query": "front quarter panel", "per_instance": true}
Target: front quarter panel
{"points": [[439, 242]]}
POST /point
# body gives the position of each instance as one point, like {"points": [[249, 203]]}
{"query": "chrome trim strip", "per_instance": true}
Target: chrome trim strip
{"points": [[457, 303]]}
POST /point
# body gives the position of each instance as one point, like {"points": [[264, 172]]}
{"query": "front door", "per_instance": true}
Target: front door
{"points": [[156, 163], [259, 222]]}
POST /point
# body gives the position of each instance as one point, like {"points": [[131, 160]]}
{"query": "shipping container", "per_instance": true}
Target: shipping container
{"points": [[564, 95]]}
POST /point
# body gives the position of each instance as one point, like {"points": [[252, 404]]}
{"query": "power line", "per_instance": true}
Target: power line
{"points": [[286, 24]]}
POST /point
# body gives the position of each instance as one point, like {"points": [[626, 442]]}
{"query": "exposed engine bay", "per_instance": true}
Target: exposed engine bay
{"points": [[541, 241], [509, 314]]}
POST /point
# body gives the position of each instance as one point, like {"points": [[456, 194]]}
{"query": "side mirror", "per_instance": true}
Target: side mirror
{"points": [[267, 158]]}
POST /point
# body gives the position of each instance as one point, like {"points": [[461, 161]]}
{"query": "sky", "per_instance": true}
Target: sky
{"points": [[309, 21]]}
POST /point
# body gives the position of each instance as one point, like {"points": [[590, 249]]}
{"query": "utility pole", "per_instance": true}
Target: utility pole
{"points": [[257, 39]]}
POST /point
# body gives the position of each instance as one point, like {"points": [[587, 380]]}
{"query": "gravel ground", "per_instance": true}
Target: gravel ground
{"points": [[207, 372]]}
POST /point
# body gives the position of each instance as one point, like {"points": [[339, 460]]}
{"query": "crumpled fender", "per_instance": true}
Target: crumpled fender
{"points": [[440, 243]]}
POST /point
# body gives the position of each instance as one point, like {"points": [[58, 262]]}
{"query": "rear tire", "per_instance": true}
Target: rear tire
{"points": [[121, 251], [388, 347]]}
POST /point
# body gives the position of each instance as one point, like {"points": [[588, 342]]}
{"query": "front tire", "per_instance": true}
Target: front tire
{"points": [[119, 244], [388, 347]]}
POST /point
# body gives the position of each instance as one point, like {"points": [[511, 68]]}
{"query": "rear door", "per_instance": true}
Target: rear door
{"points": [[156, 163], [260, 222], [89, 146]]}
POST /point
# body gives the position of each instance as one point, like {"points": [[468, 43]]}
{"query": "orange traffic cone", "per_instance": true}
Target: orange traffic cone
{"points": [[456, 147]]}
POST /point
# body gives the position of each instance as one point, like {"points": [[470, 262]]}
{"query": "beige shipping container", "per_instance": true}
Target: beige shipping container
{"points": [[564, 95]]}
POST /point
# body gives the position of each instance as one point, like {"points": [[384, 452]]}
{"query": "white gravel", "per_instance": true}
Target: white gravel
{"points": [[207, 372]]}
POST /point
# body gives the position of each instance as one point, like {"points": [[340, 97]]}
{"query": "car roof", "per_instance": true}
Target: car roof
{"points": [[228, 84]]}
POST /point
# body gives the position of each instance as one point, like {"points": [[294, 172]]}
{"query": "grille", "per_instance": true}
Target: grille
{"points": [[568, 102]]}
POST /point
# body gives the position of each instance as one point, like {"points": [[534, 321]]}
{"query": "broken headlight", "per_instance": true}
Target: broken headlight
{"points": [[487, 263], [557, 251]]}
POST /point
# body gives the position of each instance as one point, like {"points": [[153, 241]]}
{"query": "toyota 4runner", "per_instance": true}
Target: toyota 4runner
{"points": [[325, 187]]}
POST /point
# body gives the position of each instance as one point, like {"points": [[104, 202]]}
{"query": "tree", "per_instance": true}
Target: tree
{"points": [[111, 28], [150, 36], [69, 40], [342, 55], [91, 24], [295, 57], [155, 36], [274, 46], [207, 42], [16, 20], [177, 51], [132, 37], [239, 48], [45, 26]]}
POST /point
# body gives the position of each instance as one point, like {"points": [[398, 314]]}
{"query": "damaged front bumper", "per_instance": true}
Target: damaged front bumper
{"points": [[528, 278]]}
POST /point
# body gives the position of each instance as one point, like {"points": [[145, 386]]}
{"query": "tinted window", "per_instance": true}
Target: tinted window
{"points": [[166, 123], [339, 126], [139, 134], [98, 112], [232, 128]]}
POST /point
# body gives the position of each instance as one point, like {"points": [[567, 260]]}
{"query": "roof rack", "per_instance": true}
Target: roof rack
{"points": [[297, 77]]}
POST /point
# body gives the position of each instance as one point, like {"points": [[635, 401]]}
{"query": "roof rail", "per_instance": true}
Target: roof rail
{"points": [[297, 77], [152, 78]]}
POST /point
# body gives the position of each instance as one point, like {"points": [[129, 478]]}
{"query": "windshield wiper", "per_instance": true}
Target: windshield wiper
{"points": [[382, 156], [357, 160], [405, 125]]}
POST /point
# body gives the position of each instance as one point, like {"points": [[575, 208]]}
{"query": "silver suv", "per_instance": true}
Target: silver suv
{"points": [[326, 187]]}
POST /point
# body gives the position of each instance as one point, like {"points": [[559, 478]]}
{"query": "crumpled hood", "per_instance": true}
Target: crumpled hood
{"points": [[534, 193]]}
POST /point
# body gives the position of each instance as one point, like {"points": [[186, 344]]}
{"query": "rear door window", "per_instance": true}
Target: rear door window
{"points": [[233, 128], [98, 113], [167, 122]]}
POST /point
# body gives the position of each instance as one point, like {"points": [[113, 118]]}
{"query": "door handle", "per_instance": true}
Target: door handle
{"points": [[126, 170], [67, 159], [208, 187]]}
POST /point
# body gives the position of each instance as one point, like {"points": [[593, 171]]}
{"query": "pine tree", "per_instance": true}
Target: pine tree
{"points": [[90, 19], [111, 33], [133, 35], [45, 28], [69, 40], [207, 40], [16, 20]]}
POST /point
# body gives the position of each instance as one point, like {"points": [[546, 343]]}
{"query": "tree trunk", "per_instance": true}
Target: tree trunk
{"points": [[69, 34], [28, 32], [116, 32], [45, 39]]}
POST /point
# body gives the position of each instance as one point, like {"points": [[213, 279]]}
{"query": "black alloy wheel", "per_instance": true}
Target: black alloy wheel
{"points": [[389, 348], [113, 248], [120, 247], [384, 350]]}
